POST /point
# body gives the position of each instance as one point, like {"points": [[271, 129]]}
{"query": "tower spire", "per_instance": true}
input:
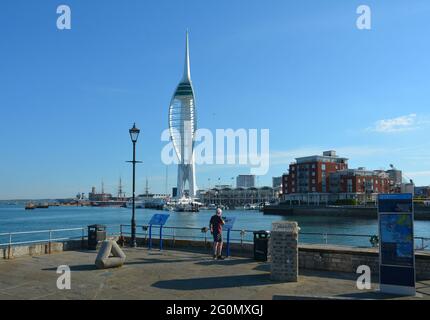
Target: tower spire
{"points": [[187, 73]]}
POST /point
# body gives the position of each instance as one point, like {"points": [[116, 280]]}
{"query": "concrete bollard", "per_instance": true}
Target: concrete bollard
{"points": [[284, 251], [104, 260]]}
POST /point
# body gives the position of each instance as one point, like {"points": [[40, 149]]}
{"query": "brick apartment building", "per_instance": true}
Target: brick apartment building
{"points": [[311, 174], [327, 178], [360, 181]]}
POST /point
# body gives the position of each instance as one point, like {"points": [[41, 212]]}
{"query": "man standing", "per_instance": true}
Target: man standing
{"points": [[215, 225]]}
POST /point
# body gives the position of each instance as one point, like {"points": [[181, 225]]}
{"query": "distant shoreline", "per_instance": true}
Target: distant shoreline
{"points": [[421, 213]]}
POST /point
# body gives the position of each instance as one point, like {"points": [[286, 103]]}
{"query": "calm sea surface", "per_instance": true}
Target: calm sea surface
{"points": [[14, 219]]}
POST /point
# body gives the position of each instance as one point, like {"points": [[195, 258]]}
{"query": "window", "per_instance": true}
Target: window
{"points": [[313, 189], [313, 181], [349, 186], [323, 167], [313, 174]]}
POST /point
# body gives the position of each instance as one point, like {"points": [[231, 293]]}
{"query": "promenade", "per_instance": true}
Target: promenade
{"points": [[173, 274]]}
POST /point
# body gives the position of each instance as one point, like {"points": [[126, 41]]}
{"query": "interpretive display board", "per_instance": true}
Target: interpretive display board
{"points": [[396, 244], [229, 222], [228, 225], [158, 219]]}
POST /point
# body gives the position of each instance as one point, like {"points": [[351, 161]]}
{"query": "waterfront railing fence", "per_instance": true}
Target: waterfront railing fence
{"points": [[187, 233]]}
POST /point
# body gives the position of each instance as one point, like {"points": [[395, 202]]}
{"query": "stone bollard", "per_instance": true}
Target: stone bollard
{"points": [[104, 259], [284, 251]]}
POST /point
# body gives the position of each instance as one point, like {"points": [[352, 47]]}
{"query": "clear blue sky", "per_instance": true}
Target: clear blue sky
{"points": [[300, 68]]}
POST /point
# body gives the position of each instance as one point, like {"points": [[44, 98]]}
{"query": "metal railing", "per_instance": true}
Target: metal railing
{"points": [[190, 233], [49, 239], [187, 233], [246, 236]]}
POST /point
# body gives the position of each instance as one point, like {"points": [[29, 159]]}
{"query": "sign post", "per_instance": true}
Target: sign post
{"points": [[229, 222], [157, 220], [396, 244]]}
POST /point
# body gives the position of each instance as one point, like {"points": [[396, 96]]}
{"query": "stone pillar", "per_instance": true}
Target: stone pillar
{"points": [[284, 251]]}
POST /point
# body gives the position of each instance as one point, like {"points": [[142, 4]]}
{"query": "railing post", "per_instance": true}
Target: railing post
{"points": [[83, 238], [325, 237], [174, 238], [9, 253], [206, 238], [49, 244]]}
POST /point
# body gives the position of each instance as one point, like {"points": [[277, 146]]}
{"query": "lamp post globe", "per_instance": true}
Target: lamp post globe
{"points": [[134, 133]]}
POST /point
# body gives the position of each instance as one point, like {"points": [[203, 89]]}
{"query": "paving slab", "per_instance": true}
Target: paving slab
{"points": [[170, 275]]}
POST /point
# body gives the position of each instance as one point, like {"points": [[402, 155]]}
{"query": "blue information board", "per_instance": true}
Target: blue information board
{"points": [[228, 223], [396, 244], [159, 219]]}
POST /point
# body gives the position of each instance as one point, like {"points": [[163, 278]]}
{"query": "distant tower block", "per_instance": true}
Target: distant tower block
{"points": [[182, 126]]}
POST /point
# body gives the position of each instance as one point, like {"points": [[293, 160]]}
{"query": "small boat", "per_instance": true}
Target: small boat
{"points": [[186, 205], [30, 206], [250, 206], [42, 205]]}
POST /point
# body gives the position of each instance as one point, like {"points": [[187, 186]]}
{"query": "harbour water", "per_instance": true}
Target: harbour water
{"points": [[13, 218]]}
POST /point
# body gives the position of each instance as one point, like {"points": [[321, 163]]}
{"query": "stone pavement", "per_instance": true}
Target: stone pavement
{"points": [[171, 275]]}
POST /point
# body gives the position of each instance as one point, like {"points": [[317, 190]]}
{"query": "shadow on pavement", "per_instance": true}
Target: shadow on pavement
{"points": [[226, 262], [215, 282], [263, 267], [154, 261], [83, 267], [369, 295]]}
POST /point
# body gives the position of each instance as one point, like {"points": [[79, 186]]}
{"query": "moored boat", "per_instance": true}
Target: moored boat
{"points": [[30, 206]]}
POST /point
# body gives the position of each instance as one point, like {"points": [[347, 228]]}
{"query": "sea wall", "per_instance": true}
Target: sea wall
{"points": [[421, 213], [313, 257]]}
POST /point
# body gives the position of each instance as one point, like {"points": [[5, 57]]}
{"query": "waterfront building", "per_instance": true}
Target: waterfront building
{"points": [[395, 176], [422, 191], [182, 127], [94, 196], [237, 197], [277, 185], [360, 181], [407, 188], [311, 174], [245, 181], [276, 182], [327, 179]]}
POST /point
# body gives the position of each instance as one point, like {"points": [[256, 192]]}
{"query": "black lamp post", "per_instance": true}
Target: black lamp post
{"points": [[134, 134]]}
